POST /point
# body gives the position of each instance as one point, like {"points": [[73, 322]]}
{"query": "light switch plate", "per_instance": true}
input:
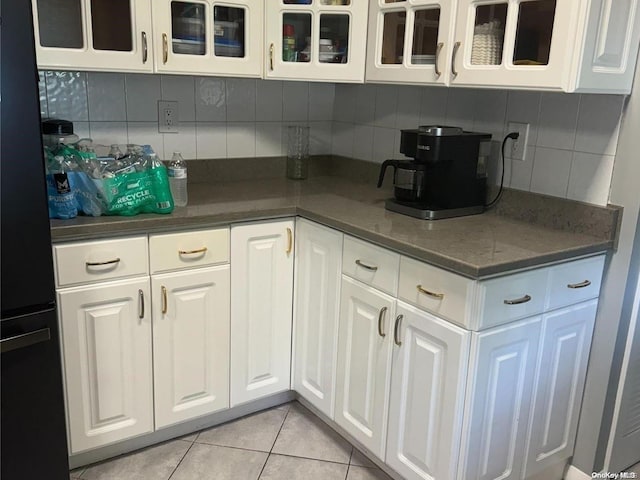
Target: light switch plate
{"points": [[168, 118], [518, 148]]}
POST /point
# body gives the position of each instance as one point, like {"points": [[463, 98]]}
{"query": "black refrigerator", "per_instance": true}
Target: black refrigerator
{"points": [[32, 425]]}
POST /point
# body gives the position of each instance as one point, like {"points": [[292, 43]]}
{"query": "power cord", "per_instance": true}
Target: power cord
{"points": [[513, 136]]}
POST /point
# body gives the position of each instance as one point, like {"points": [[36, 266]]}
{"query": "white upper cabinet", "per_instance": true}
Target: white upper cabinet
{"points": [[320, 40], [210, 37], [112, 35], [410, 41]]}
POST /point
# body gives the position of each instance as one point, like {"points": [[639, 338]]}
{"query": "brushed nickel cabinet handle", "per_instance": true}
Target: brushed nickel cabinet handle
{"points": [[396, 330], [383, 310], [366, 267], [456, 46], [145, 49], [140, 304], [192, 252], [518, 301], [271, 57], [438, 50], [165, 48], [108, 262], [164, 299], [289, 240], [420, 289], [586, 283]]}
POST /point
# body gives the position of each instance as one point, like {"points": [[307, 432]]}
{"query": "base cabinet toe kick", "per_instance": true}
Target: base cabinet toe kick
{"points": [[434, 375]]}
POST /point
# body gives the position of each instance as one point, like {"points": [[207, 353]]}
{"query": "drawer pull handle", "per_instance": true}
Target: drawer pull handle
{"points": [[192, 252], [289, 240], [165, 48], [164, 299], [439, 296], [396, 330], [438, 50], [518, 301], [108, 262], [366, 267], [141, 304], [586, 283], [383, 310]]}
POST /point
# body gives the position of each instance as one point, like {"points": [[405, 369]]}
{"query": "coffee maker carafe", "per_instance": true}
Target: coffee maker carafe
{"points": [[444, 178]]}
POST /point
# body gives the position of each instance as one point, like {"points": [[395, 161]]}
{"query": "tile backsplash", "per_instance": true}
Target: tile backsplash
{"points": [[572, 138], [570, 152]]}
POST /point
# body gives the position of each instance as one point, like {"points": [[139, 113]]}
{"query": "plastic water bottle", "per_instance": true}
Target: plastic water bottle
{"points": [[178, 179]]}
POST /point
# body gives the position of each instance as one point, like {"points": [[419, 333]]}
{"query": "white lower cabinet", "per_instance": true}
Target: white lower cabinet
{"points": [[562, 366], [190, 343], [364, 363], [427, 391], [261, 309], [498, 400], [106, 337], [316, 313]]}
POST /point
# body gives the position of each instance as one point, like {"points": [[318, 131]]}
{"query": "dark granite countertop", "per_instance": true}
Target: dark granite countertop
{"points": [[524, 231]]}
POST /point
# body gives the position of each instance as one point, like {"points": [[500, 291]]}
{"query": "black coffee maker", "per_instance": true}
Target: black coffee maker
{"points": [[446, 178]]}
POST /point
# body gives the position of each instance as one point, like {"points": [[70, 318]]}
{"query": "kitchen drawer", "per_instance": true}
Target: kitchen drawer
{"points": [[86, 262], [575, 282], [370, 264], [501, 300], [433, 289], [188, 249]]}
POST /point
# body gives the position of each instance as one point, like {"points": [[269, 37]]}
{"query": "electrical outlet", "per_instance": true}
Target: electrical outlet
{"points": [[168, 119], [518, 147]]}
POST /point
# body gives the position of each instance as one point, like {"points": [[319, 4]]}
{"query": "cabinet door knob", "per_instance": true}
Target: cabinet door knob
{"points": [[420, 289], [456, 46], [289, 240], [383, 310], [366, 267], [438, 50], [396, 330], [586, 283], [165, 48], [271, 57], [145, 49], [164, 299], [140, 304], [517, 301]]}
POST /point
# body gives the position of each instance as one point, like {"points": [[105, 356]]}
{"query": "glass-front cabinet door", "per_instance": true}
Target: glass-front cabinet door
{"points": [[316, 39], [208, 36], [519, 43], [409, 41], [93, 34]]}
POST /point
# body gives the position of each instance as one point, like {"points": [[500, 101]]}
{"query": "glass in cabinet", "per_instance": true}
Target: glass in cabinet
{"points": [[93, 34], [314, 40], [197, 36], [409, 41]]}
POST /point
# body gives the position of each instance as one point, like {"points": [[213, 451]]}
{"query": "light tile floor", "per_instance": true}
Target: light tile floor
{"points": [[283, 443]]}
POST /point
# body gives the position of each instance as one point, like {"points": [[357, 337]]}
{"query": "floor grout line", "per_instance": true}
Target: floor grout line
{"points": [[286, 414], [183, 457]]}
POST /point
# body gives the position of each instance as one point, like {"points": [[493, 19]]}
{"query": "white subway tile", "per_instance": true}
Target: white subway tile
{"points": [[363, 142], [365, 104], [490, 109], [180, 88], [551, 168], [433, 106], [268, 139], [558, 118], [108, 133], [409, 101], [521, 172], [344, 106], [269, 101], [106, 97], [146, 133], [461, 107], [342, 139], [211, 140], [524, 107], [383, 144], [67, 95], [320, 138], [241, 139], [142, 93], [42, 93], [211, 99], [590, 178], [386, 111], [321, 96], [295, 101], [241, 99], [599, 123], [183, 142]]}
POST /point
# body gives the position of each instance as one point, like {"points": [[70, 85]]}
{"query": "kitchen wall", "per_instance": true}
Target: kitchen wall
{"points": [[572, 139], [219, 117]]}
